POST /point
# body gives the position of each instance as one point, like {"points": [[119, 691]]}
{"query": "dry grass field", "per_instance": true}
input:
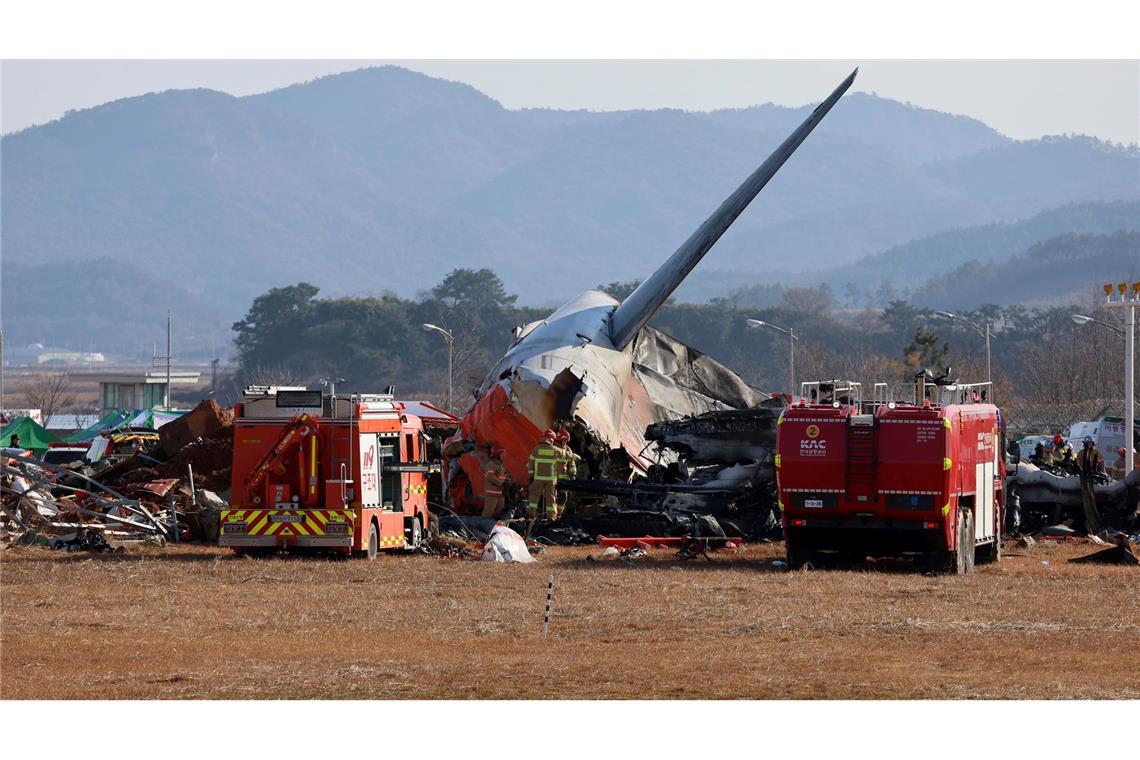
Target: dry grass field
{"points": [[195, 622]]}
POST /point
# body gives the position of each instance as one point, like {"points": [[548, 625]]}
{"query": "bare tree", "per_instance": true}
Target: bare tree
{"points": [[51, 393], [857, 361], [275, 375]]}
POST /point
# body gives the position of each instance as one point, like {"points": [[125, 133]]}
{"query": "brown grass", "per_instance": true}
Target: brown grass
{"points": [[197, 622]]}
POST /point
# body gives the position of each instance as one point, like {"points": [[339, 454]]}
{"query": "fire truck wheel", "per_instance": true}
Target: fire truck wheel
{"points": [[798, 557], [373, 542], [415, 536]]}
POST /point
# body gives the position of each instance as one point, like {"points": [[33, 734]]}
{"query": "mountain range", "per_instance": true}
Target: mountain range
{"points": [[383, 179]]}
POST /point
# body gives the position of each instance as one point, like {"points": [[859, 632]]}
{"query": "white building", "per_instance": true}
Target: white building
{"points": [[135, 390]]}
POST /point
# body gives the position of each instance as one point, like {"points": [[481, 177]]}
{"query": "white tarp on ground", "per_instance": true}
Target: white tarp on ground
{"points": [[505, 545]]}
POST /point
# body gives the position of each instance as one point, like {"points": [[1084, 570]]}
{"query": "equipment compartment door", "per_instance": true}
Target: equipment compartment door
{"points": [[984, 500], [369, 471]]}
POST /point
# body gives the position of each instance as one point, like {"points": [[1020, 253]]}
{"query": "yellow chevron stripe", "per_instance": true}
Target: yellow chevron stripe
{"points": [[321, 517], [301, 528], [262, 521]]}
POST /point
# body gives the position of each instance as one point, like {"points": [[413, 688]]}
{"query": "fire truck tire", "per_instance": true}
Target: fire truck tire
{"points": [[798, 557], [415, 535], [373, 541]]}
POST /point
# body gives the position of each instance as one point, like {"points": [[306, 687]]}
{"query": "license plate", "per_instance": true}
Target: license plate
{"points": [[813, 503], [286, 518], [234, 528], [336, 527]]}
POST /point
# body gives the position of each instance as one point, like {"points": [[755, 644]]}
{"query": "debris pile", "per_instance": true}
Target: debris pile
{"points": [[714, 477], [48, 504], [1047, 495], [133, 486]]}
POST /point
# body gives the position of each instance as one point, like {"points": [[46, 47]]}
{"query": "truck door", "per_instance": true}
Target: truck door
{"points": [[410, 479], [391, 485]]}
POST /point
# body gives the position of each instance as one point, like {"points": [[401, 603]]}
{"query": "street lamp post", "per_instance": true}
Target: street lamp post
{"points": [[447, 336], [1129, 301], [757, 324], [985, 332], [1081, 319]]}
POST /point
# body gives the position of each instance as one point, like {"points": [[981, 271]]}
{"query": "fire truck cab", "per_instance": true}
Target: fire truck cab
{"points": [[342, 473], [922, 478]]}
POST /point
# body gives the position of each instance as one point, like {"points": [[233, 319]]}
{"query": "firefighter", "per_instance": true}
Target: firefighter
{"points": [[543, 467], [1118, 465], [567, 465], [1061, 454], [495, 479], [1090, 463], [14, 441], [1013, 510]]}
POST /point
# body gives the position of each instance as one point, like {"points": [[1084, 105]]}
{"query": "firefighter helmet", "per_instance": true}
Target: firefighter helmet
{"points": [[549, 435], [564, 435]]}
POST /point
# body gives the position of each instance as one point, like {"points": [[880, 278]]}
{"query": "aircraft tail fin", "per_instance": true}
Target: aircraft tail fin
{"points": [[637, 309]]}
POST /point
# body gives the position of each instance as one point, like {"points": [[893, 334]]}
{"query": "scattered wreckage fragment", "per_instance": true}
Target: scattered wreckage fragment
{"points": [[62, 506], [1047, 496], [123, 491]]}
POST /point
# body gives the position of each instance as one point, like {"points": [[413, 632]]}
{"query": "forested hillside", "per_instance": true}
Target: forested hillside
{"points": [[383, 180]]}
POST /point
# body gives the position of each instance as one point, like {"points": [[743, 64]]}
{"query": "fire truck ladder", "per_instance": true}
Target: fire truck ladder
{"points": [[861, 458], [299, 428]]}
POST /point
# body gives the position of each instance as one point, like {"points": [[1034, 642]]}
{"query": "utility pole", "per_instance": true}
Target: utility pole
{"points": [[1131, 302], [155, 357]]}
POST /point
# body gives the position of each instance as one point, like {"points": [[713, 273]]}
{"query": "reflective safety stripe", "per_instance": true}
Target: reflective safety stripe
{"points": [[298, 522], [544, 464]]}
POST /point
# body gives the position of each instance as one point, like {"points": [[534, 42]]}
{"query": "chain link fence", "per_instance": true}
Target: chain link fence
{"points": [[1037, 418]]}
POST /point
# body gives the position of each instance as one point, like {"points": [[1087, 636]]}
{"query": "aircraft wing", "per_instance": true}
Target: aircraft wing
{"points": [[637, 309]]}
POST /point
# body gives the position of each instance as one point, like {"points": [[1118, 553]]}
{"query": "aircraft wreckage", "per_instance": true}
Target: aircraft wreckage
{"points": [[597, 368]]}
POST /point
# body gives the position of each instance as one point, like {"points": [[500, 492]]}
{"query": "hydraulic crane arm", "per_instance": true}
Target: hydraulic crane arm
{"points": [[299, 428]]}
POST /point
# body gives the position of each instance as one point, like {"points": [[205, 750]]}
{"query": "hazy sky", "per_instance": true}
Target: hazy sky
{"points": [[1022, 99]]}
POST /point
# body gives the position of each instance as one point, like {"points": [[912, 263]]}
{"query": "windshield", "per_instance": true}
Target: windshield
{"points": [[63, 456]]}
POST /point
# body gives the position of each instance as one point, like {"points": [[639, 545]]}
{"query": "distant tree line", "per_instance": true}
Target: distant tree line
{"points": [[290, 334]]}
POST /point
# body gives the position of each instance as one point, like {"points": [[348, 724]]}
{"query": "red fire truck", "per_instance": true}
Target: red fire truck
{"points": [[921, 478], [343, 473]]}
